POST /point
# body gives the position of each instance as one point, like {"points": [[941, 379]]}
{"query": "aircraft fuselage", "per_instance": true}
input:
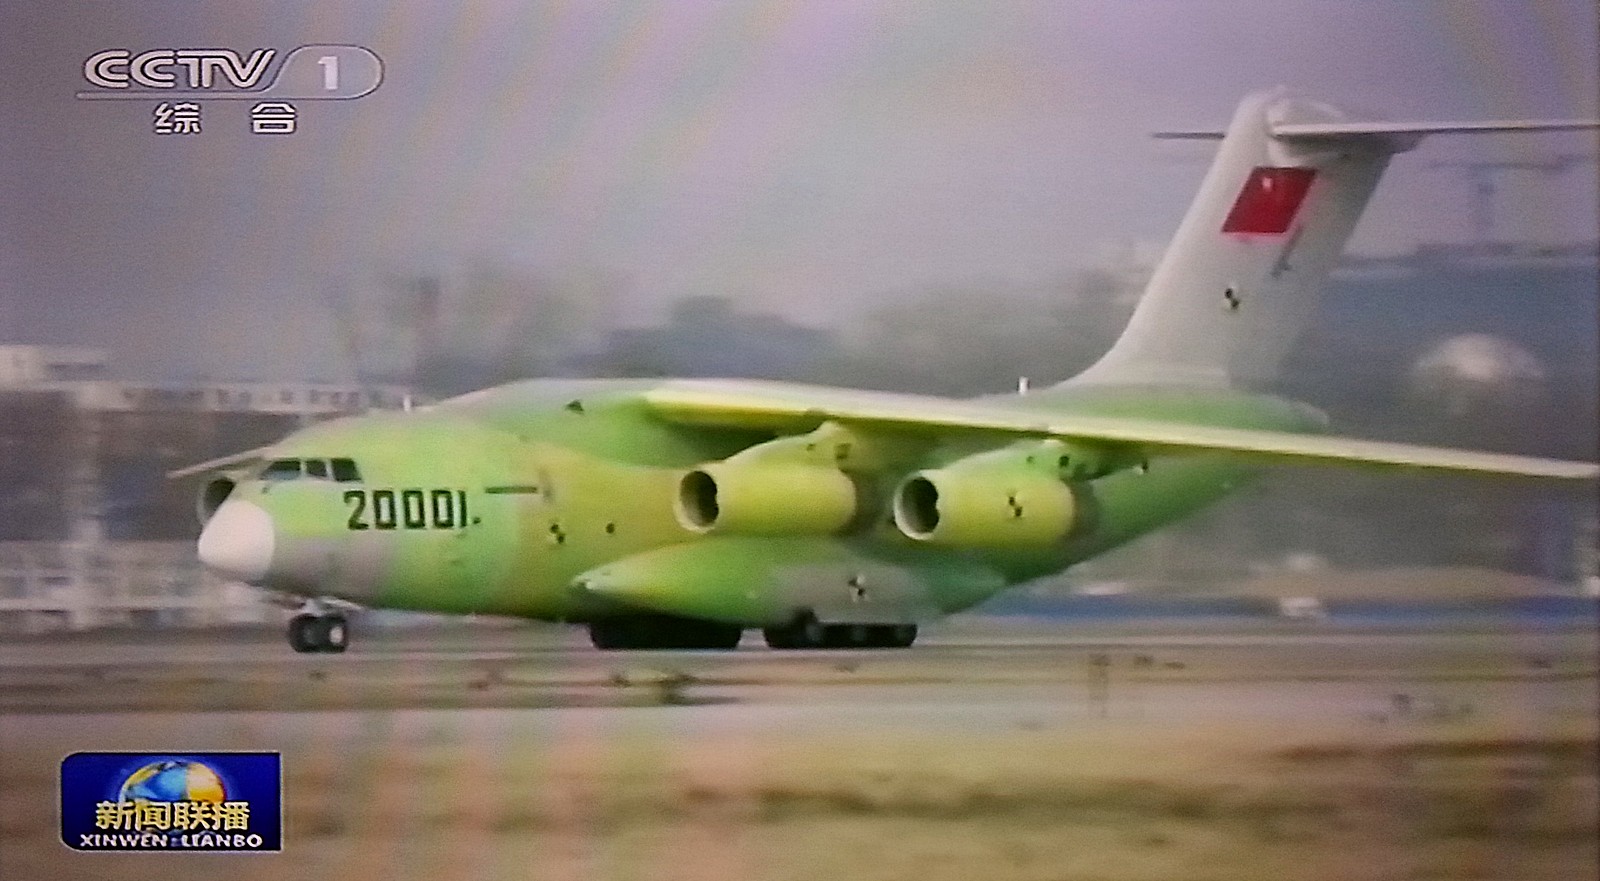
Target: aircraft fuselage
{"points": [[502, 502]]}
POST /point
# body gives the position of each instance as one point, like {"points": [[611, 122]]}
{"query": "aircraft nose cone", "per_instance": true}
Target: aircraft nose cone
{"points": [[238, 541]]}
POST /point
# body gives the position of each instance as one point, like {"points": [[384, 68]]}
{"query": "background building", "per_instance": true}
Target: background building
{"points": [[91, 531]]}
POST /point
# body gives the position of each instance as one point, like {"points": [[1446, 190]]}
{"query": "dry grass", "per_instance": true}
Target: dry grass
{"points": [[1113, 802], [393, 773]]}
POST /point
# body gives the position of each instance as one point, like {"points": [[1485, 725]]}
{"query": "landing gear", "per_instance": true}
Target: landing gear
{"points": [[806, 632], [663, 632], [897, 636], [309, 633]]}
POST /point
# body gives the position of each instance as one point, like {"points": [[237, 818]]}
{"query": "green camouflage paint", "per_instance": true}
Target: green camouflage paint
{"points": [[540, 493]]}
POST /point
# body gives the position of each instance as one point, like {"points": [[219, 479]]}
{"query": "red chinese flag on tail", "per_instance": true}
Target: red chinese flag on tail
{"points": [[1269, 200]]}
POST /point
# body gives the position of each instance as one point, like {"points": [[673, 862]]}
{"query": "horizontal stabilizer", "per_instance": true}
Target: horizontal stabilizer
{"points": [[793, 408], [1330, 130], [1320, 130], [1210, 134]]}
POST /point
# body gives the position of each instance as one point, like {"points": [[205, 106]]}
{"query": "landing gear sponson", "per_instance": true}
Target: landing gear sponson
{"points": [[317, 629]]}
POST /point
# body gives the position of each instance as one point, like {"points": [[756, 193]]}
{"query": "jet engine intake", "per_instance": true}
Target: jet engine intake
{"points": [[765, 499], [985, 501]]}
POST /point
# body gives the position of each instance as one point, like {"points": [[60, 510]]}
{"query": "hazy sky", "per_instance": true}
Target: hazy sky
{"points": [[792, 155]]}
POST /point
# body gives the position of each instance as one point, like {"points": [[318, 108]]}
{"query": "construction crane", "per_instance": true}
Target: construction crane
{"points": [[1482, 175]]}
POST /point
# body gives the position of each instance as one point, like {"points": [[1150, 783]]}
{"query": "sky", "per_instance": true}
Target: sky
{"points": [[804, 158]]}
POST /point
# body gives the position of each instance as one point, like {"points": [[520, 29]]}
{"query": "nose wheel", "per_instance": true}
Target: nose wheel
{"points": [[309, 634]]}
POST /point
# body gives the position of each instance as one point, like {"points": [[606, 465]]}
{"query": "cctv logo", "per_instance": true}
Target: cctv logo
{"points": [[160, 68], [319, 72]]}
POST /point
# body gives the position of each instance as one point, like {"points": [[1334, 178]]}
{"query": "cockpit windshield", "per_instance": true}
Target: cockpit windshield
{"points": [[341, 470], [282, 469], [344, 470]]}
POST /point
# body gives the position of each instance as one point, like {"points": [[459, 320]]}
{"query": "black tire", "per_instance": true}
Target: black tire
{"points": [[609, 635], [720, 637], [808, 633], [314, 634], [333, 634], [778, 637], [853, 636], [811, 633], [804, 632], [301, 636], [886, 636], [711, 635], [901, 636], [645, 632]]}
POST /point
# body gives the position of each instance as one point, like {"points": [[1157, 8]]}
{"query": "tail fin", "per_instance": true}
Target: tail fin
{"points": [[1245, 270]]}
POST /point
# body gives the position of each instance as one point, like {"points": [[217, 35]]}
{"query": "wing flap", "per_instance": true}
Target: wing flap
{"points": [[790, 407]]}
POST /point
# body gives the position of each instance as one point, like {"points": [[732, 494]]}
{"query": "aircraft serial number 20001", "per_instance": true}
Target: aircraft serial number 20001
{"points": [[406, 508], [680, 513]]}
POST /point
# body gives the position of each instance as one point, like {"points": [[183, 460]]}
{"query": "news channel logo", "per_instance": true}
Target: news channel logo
{"points": [[180, 82], [305, 73], [137, 801]]}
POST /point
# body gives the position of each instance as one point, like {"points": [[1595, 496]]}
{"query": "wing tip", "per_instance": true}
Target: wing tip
{"points": [[1586, 471], [1544, 469]]}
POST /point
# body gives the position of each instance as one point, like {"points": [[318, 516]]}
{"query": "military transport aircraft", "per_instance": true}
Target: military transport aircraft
{"points": [[679, 513]]}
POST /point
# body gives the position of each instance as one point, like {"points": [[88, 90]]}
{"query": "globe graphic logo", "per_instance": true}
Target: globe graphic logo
{"points": [[173, 780]]}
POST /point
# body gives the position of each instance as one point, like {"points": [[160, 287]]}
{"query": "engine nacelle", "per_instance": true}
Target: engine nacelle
{"points": [[1007, 498], [754, 498]]}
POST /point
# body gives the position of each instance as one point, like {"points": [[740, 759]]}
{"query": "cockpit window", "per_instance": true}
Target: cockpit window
{"points": [[282, 469], [344, 471]]}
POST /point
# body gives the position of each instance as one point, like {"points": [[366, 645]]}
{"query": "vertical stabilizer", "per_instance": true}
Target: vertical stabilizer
{"points": [[1242, 275], [1247, 265]]}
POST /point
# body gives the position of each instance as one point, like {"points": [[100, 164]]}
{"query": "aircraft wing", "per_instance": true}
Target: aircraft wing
{"points": [[221, 463], [793, 408]]}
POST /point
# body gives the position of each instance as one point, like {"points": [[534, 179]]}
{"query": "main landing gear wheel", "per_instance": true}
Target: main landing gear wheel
{"points": [[310, 634], [663, 632], [897, 636], [806, 632]]}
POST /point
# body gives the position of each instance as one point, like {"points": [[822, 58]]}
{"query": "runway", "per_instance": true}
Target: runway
{"points": [[1263, 672], [1106, 752]]}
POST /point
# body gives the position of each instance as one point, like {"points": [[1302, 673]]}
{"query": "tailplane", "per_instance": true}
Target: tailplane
{"points": [[1245, 270]]}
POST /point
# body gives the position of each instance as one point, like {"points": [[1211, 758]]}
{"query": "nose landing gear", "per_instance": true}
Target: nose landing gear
{"points": [[319, 633]]}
